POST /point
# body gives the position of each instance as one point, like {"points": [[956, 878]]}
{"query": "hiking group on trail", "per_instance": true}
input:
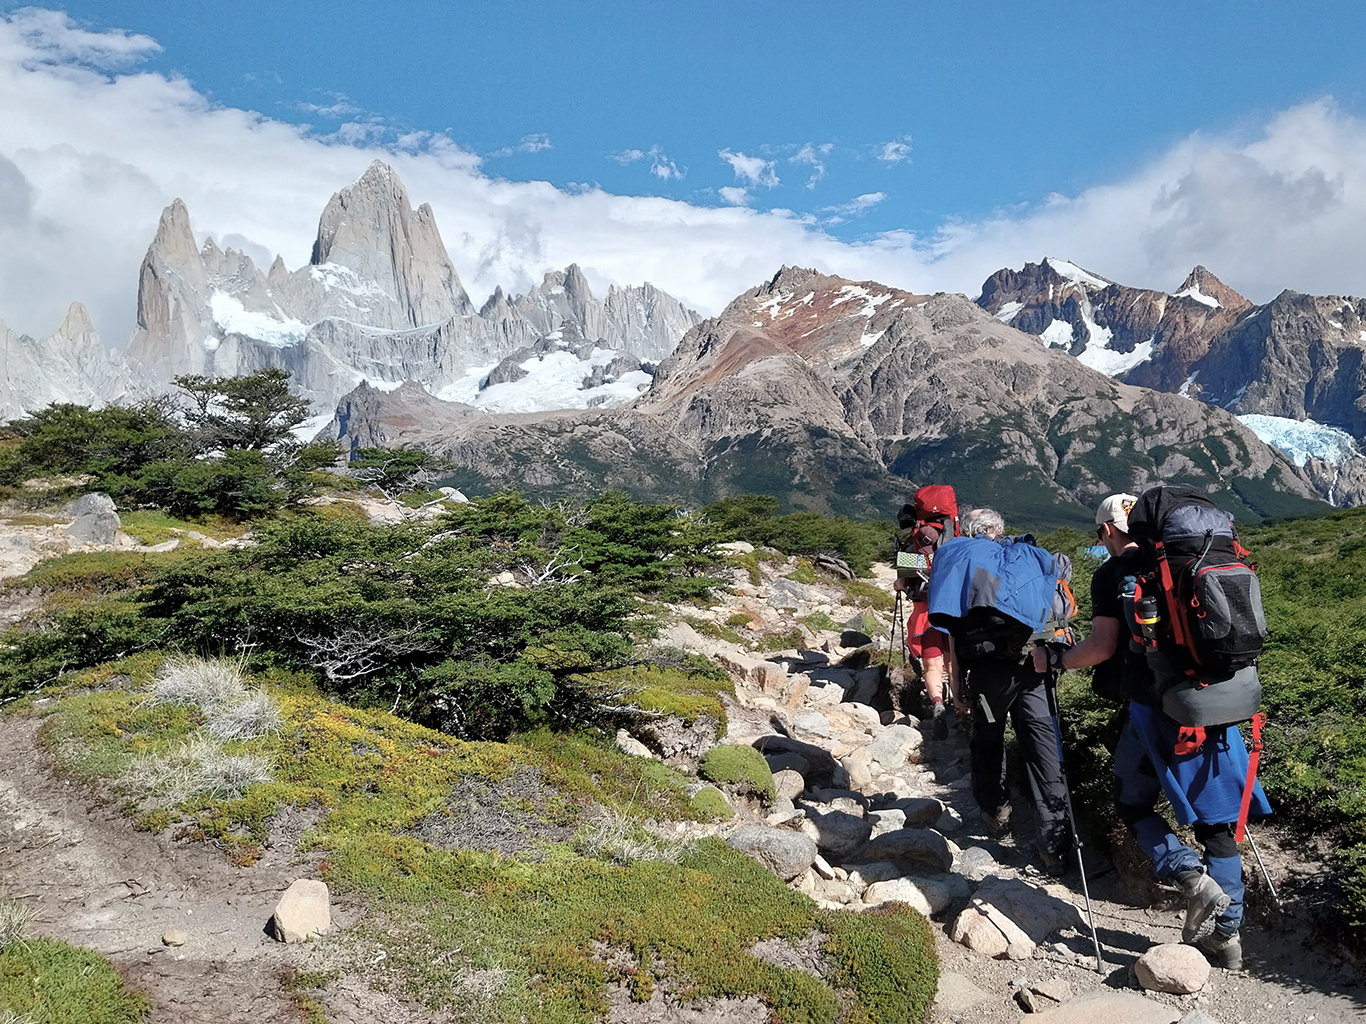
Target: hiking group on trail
{"points": [[1177, 626]]}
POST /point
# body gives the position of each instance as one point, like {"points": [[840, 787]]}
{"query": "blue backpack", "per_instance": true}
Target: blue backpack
{"points": [[994, 596]]}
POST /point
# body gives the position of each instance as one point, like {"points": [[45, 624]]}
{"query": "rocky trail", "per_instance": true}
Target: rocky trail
{"points": [[869, 809]]}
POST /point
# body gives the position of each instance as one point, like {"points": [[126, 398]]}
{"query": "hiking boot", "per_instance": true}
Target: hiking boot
{"points": [[1222, 950], [1054, 861], [1204, 902], [997, 821], [940, 730]]}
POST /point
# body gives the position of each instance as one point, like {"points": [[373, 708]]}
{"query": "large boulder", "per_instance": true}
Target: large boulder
{"points": [[927, 895], [839, 833], [95, 521], [784, 852], [896, 745], [304, 912], [923, 846], [1108, 1006]]}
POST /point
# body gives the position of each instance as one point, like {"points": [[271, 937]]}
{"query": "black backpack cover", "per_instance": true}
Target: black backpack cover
{"points": [[1210, 630]]}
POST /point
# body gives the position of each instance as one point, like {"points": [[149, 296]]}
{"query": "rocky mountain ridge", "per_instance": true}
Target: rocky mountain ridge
{"points": [[69, 365], [841, 395], [380, 301], [1296, 359]]}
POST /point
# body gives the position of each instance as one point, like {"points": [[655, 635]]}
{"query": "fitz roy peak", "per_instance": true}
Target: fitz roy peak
{"points": [[381, 303]]}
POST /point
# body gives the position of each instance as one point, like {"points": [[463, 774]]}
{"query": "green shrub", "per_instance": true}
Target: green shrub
{"points": [[886, 956], [710, 804], [54, 983], [804, 573], [739, 766], [754, 518]]}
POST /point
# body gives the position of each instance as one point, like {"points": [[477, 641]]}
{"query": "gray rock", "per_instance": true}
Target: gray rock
{"points": [[927, 895], [919, 811], [949, 821], [895, 746], [91, 504], [304, 912], [812, 727], [975, 864], [628, 744], [175, 937], [1172, 967], [1037, 911], [784, 852], [785, 593], [788, 784], [922, 846], [957, 994], [839, 834], [1108, 1006]]}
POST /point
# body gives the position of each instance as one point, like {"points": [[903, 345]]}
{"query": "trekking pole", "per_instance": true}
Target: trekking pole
{"points": [[1280, 907], [1050, 685]]}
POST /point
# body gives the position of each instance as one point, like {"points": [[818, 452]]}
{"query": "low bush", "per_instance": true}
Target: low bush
{"points": [[739, 766]]}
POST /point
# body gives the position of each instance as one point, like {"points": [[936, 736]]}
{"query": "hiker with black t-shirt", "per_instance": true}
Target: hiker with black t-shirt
{"points": [[1204, 786], [1003, 683]]}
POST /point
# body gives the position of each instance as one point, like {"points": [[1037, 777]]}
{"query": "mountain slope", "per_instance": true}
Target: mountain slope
{"points": [[69, 365], [844, 395]]}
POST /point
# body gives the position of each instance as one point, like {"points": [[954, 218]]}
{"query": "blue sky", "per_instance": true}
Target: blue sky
{"points": [[985, 104], [698, 146]]}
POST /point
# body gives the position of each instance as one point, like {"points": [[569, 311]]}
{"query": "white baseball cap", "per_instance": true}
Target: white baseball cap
{"points": [[1115, 509]]}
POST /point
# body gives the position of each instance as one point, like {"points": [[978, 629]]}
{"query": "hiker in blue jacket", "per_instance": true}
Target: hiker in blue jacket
{"points": [[1002, 682], [1204, 785]]}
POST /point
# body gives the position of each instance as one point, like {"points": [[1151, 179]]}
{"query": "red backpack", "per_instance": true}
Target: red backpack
{"points": [[925, 525]]}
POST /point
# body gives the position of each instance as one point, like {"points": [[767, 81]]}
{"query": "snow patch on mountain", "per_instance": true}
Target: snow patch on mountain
{"points": [[335, 277], [1112, 363], [1007, 312], [1194, 292], [1072, 272], [1300, 439], [232, 317], [554, 381], [1058, 334]]}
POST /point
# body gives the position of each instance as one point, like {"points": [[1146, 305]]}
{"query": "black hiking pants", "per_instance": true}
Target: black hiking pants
{"points": [[1016, 690]]}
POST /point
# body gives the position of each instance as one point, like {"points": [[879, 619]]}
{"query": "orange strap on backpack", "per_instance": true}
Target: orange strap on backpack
{"points": [[1189, 739], [1258, 720]]}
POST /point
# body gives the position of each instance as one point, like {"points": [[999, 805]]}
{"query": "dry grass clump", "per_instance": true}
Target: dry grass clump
{"points": [[15, 918], [11, 1017], [233, 712], [615, 837], [199, 766], [208, 684]]}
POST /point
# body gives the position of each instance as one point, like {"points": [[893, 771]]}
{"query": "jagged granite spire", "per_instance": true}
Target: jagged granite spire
{"points": [[370, 228]]}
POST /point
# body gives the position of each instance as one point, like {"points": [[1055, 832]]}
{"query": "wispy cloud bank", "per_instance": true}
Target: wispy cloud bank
{"points": [[660, 165], [753, 170], [92, 151], [815, 157], [537, 143], [855, 207]]}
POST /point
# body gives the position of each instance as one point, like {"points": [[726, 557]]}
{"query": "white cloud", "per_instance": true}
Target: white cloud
{"points": [[88, 159], [815, 156], [894, 152], [340, 106], [735, 195], [660, 165], [856, 207], [530, 144], [752, 169]]}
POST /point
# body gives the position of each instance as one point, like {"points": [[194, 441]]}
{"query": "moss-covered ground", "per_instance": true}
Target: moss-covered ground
{"points": [[49, 982], [538, 921]]}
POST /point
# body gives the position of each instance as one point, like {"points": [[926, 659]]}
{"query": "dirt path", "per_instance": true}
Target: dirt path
{"points": [[1289, 975], [99, 883]]}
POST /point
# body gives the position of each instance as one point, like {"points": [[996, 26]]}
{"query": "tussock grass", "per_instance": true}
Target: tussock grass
{"points": [[208, 684], [257, 715], [199, 766], [615, 837], [15, 918]]}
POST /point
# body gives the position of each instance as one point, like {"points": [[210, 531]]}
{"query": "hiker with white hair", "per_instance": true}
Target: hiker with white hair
{"points": [[1001, 683]]}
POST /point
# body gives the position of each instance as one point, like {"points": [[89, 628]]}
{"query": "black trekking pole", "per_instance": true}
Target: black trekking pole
{"points": [[1050, 685]]}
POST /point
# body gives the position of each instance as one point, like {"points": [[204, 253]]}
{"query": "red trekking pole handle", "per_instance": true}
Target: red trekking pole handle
{"points": [[1258, 720]]}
